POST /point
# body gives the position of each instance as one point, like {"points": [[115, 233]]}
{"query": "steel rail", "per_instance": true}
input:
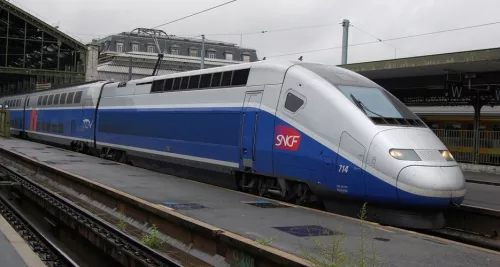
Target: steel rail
{"points": [[48, 252]]}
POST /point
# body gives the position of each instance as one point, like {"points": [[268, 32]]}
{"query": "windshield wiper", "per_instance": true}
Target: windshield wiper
{"points": [[363, 106], [358, 103]]}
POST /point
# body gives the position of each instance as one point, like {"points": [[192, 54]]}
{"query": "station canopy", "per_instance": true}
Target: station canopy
{"points": [[35, 55], [460, 78]]}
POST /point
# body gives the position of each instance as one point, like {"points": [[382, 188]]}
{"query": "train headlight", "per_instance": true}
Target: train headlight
{"points": [[446, 155], [404, 154]]}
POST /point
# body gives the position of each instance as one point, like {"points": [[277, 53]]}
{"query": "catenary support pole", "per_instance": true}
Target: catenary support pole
{"points": [[345, 40]]}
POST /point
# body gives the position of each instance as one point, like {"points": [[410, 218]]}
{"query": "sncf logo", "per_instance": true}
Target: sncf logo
{"points": [[287, 138]]}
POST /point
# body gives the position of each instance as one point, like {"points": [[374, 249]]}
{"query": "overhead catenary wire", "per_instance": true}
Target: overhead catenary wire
{"points": [[194, 14], [234, 34], [379, 39], [166, 23], [268, 31], [390, 39]]}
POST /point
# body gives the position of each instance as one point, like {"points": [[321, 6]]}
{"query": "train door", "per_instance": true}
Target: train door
{"points": [[350, 178], [249, 122]]}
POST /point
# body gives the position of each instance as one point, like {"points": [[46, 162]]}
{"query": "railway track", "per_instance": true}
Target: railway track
{"points": [[93, 205], [48, 252], [128, 251]]}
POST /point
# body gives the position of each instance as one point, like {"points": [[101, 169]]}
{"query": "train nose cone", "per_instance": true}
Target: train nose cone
{"points": [[431, 185]]}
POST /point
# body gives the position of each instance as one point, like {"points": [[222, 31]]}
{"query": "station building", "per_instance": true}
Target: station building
{"points": [[132, 55], [35, 55]]}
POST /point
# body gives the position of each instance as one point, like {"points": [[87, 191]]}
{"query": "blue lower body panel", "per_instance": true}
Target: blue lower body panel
{"points": [[213, 134]]}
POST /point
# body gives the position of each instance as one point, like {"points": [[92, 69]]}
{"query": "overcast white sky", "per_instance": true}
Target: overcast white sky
{"points": [[382, 18]]}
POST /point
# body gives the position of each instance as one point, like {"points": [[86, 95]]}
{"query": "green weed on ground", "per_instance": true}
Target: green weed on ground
{"points": [[152, 240], [122, 225], [334, 254]]}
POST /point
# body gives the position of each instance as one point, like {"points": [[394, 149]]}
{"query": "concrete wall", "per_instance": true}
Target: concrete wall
{"points": [[91, 61]]}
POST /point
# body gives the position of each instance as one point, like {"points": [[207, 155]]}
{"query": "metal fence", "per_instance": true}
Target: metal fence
{"points": [[461, 145]]}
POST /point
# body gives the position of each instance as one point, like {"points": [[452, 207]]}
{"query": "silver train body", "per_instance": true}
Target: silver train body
{"points": [[289, 126]]}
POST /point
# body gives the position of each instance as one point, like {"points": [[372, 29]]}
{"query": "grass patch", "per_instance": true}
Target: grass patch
{"points": [[334, 254], [152, 240], [122, 225]]}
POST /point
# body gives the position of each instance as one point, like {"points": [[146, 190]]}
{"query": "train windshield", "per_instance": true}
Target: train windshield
{"points": [[377, 103], [372, 101]]}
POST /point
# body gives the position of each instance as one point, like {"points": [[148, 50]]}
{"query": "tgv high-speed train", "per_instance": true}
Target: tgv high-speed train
{"points": [[300, 131]]}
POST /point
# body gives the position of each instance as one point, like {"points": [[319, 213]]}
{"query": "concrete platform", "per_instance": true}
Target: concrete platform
{"points": [[482, 176], [481, 195], [14, 251], [292, 229]]}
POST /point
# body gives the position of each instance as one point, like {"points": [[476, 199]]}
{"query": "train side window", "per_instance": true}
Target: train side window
{"points": [[62, 101], [216, 79], [157, 86], [168, 85], [44, 101], [205, 80], [293, 103], [177, 83], [69, 100], [78, 97], [240, 77], [19, 102], [194, 81], [56, 99], [226, 78], [184, 83], [51, 98], [39, 101]]}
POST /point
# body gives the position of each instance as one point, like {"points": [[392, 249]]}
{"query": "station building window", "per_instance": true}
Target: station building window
{"points": [[229, 56], [119, 47], [151, 49], [211, 54], [246, 58], [193, 52], [174, 51], [135, 48]]}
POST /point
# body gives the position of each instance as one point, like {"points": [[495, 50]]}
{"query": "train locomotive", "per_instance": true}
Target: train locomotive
{"points": [[300, 131]]}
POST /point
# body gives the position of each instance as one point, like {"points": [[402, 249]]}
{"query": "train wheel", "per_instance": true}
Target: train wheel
{"points": [[261, 187]]}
